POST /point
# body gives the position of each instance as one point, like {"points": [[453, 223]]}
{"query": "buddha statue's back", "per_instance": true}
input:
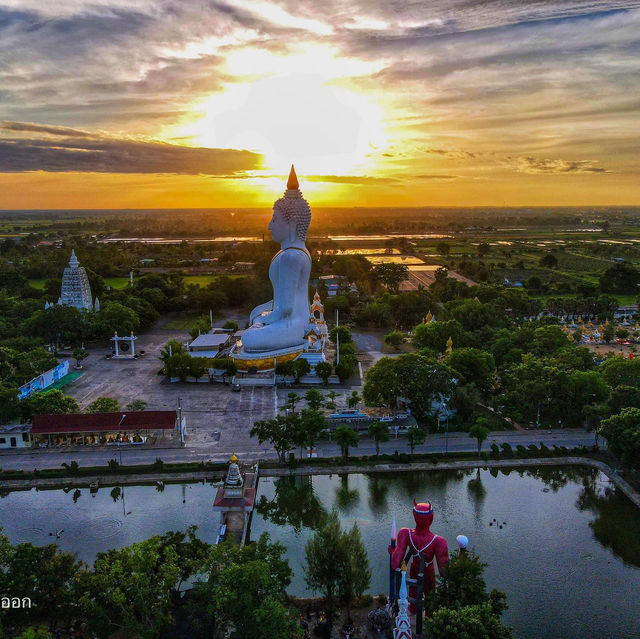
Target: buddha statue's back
{"points": [[281, 323]]}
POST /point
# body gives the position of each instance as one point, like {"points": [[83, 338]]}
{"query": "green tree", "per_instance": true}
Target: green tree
{"points": [[608, 333], [331, 400], [245, 591], [45, 575], [618, 371], [79, 354], [391, 275], [301, 367], [354, 574], [199, 366], [343, 332], [415, 437], [104, 405], [115, 317], [620, 278], [474, 366], [50, 402], [285, 369], [462, 585], [346, 438], [345, 369], [281, 432], [130, 590], [443, 248], [292, 400], [475, 622], [623, 397], [479, 431], [231, 324], [171, 348], [322, 559], [201, 326], [314, 398], [323, 371], [549, 260], [9, 404], [395, 338], [434, 335], [622, 432], [354, 399], [417, 379], [312, 423], [379, 432], [136, 405], [179, 365]]}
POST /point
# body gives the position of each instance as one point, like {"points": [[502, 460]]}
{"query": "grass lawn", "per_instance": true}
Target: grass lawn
{"points": [[39, 284], [116, 282], [181, 323], [200, 280]]}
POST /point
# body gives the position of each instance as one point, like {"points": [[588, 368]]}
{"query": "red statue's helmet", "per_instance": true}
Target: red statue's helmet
{"points": [[422, 513]]}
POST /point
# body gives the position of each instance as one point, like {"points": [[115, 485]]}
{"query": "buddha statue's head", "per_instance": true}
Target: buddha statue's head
{"points": [[291, 214]]}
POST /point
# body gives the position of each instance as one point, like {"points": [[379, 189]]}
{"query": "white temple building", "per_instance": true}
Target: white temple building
{"points": [[76, 290]]}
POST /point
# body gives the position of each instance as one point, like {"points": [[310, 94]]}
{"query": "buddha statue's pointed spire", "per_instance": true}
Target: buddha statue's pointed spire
{"points": [[292, 182]]}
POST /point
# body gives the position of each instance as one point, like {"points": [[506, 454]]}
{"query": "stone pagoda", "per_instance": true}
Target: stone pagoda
{"points": [[235, 499], [76, 290]]}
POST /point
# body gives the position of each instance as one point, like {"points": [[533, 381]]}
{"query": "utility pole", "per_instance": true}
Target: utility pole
{"points": [[337, 339]]}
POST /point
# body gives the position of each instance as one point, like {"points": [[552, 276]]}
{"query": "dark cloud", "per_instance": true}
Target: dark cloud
{"points": [[96, 154], [549, 165], [30, 127]]}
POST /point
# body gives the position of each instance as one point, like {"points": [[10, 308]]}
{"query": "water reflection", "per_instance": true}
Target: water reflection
{"points": [[611, 527], [294, 504], [346, 498]]}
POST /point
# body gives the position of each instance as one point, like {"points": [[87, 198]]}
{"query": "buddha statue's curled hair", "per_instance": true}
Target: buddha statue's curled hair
{"points": [[296, 209]]}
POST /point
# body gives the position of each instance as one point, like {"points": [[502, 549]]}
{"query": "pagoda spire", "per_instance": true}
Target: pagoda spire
{"points": [[73, 260], [403, 622], [292, 182]]}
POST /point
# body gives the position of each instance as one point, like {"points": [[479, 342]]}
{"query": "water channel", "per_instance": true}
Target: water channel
{"points": [[567, 554]]}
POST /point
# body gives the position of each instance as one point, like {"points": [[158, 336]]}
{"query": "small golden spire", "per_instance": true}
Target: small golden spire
{"points": [[233, 459], [292, 182], [404, 567]]}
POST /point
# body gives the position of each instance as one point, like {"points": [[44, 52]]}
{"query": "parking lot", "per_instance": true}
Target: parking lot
{"points": [[207, 407]]}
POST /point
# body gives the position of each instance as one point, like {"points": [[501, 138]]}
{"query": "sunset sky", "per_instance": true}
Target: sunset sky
{"points": [[195, 103]]}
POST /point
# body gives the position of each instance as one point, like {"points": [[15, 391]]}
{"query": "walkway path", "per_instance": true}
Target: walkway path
{"points": [[207, 449]]}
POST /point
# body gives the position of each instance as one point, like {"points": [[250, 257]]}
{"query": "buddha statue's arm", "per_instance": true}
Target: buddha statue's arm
{"points": [[261, 308]]}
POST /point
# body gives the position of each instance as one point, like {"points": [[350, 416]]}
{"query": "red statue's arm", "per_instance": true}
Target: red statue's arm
{"points": [[442, 555], [397, 554]]}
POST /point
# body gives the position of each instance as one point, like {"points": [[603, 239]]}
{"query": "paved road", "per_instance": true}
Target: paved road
{"points": [[457, 442]]}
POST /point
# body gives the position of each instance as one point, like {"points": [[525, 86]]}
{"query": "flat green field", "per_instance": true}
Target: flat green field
{"points": [[116, 282], [121, 282]]}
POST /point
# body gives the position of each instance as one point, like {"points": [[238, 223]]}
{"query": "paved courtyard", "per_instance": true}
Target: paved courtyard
{"points": [[208, 407]]}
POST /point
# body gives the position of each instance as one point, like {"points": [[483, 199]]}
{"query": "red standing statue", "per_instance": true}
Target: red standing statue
{"points": [[420, 541]]}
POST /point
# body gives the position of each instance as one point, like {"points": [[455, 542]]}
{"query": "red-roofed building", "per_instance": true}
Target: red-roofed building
{"points": [[132, 427]]}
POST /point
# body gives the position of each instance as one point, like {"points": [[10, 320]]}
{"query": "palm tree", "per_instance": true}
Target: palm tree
{"points": [[379, 432], [415, 437], [345, 437]]}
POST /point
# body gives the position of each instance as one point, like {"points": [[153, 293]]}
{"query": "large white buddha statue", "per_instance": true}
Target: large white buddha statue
{"points": [[281, 323]]}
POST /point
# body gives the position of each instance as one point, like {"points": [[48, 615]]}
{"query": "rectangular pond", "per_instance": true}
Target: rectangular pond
{"points": [[562, 542]]}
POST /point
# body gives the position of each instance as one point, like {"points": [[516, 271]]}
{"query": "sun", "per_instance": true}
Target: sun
{"points": [[294, 116]]}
